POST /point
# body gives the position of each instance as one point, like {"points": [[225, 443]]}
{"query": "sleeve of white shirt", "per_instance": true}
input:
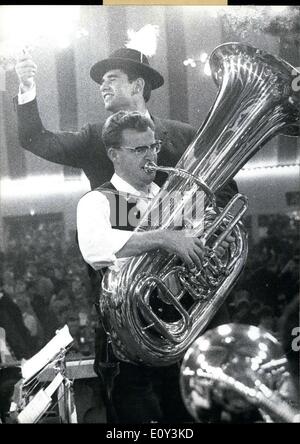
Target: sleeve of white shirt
{"points": [[27, 96], [98, 241]]}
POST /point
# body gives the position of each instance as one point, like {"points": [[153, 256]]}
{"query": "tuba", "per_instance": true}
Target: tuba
{"points": [[153, 307], [237, 372]]}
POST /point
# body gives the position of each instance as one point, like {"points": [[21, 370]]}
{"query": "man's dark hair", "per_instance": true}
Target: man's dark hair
{"points": [[134, 74], [116, 123]]}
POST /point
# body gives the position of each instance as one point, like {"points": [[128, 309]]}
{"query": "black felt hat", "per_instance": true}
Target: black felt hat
{"points": [[131, 58]]}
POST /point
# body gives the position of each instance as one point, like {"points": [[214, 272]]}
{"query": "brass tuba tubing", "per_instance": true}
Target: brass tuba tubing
{"points": [[151, 166], [255, 102], [262, 396], [236, 360]]}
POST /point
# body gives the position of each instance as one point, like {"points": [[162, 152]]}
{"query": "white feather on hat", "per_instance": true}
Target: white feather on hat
{"points": [[144, 40]]}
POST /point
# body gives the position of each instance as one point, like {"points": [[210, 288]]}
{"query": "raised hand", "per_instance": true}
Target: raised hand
{"points": [[26, 70]]}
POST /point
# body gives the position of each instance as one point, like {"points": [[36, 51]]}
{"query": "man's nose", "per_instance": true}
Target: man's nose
{"points": [[150, 155], [103, 86]]}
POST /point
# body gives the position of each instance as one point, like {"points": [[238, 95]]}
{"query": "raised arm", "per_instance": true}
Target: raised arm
{"points": [[64, 147]]}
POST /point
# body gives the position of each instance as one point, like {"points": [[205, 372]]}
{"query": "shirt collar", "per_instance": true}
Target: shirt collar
{"points": [[147, 114], [121, 185]]}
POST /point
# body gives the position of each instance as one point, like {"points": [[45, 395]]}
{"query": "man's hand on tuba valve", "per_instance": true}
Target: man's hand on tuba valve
{"points": [[188, 247], [225, 244]]}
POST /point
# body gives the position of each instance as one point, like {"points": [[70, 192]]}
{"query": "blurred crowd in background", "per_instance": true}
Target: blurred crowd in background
{"points": [[270, 279], [45, 285]]}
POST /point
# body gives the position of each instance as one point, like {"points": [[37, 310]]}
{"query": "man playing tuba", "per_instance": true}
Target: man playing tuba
{"points": [[136, 393]]}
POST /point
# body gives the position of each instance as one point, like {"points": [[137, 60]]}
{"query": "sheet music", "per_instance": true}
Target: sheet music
{"points": [[60, 341]]}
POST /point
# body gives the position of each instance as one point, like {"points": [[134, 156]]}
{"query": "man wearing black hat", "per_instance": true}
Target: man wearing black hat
{"points": [[126, 80]]}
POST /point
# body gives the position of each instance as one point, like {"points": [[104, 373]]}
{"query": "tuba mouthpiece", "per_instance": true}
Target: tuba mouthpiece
{"points": [[150, 166]]}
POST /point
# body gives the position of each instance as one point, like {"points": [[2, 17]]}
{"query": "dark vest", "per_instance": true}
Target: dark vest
{"points": [[123, 212], [123, 216], [122, 205]]}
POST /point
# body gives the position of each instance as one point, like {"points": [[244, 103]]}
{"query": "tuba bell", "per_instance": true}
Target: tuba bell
{"points": [[255, 102], [236, 373]]}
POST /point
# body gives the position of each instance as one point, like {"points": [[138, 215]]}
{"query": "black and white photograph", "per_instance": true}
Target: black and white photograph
{"points": [[149, 216]]}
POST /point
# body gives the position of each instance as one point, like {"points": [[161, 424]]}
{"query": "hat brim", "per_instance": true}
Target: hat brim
{"points": [[100, 68]]}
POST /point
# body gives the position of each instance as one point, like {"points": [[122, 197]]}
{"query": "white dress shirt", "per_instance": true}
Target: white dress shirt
{"points": [[98, 241], [27, 96]]}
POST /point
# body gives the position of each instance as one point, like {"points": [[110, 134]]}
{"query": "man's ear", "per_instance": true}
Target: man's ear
{"points": [[139, 85], [112, 154]]}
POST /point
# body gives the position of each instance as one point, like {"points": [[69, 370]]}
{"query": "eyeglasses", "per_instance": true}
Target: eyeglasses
{"points": [[154, 148]]}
